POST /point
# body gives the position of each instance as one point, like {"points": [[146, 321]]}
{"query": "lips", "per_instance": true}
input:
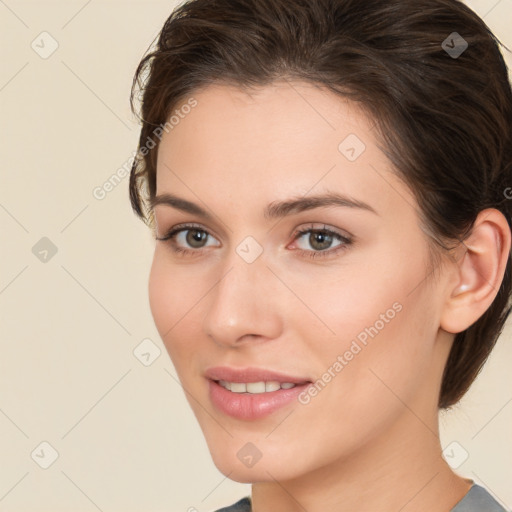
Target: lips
{"points": [[244, 402], [251, 375]]}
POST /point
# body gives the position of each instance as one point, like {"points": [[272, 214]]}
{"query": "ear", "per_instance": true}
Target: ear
{"points": [[478, 273]]}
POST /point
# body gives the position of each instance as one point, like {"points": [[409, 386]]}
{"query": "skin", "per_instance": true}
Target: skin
{"points": [[369, 440]]}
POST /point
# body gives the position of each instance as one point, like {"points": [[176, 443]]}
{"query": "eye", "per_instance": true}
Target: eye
{"points": [[321, 240], [186, 234], [193, 236]]}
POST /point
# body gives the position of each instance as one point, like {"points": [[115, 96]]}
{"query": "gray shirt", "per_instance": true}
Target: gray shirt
{"points": [[477, 499]]}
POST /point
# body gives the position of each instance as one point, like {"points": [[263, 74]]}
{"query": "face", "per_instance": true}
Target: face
{"points": [[332, 297]]}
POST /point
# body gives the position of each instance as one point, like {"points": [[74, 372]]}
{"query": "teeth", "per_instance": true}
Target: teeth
{"points": [[238, 387], [225, 384], [255, 387], [272, 386]]}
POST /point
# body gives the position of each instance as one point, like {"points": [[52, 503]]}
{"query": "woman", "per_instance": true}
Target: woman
{"points": [[326, 182]]}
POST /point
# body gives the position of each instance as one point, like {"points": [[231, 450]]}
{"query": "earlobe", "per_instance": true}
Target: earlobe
{"points": [[479, 273]]}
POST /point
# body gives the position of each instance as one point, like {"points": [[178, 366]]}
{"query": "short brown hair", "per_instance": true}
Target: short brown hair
{"points": [[444, 120]]}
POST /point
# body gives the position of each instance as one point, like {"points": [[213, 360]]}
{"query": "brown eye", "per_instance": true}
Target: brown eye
{"points": [[320, 240], [187, 239], [195, 237]]}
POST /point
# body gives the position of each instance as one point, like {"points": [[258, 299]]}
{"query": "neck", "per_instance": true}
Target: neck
{"points": [[400, 470]]}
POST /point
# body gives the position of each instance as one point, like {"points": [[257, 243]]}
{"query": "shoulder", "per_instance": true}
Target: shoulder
{"points": [[244, 505], [478, 499]]}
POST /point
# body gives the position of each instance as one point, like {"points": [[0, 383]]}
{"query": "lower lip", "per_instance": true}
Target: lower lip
{"points": [[252, 406]]}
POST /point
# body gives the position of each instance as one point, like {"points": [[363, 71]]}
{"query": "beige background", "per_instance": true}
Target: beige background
{"points": [[125, 436]]}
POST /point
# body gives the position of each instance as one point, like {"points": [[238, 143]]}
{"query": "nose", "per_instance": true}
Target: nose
{"points": [[244, 304]]}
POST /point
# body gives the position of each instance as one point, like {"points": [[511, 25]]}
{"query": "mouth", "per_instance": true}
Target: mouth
{"points": [[252, 393], [255, 388]]}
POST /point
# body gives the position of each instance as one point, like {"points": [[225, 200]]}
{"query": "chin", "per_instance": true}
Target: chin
{"points": [[239, 460], [245, 476], [237, 472]]}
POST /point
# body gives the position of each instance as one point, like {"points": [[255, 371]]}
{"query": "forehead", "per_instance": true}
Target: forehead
{"points": [[293, 108], [287, 138]]}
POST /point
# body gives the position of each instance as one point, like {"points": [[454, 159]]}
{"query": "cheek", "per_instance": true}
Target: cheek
{"points": [[385, 361], [384, 336], [173, 292], [161, 296]]}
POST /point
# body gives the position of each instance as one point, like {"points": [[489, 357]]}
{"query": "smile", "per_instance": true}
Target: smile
{"points": [[252, 393], [255, 387]]}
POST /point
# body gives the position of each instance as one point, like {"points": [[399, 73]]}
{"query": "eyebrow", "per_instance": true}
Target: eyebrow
{"points": [[274, 210]]}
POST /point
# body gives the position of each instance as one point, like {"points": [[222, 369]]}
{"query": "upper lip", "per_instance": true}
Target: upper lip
{"points": [[251, 375]]}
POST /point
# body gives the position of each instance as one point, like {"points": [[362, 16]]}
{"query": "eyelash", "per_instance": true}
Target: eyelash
{"points": [[171, 234]]}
